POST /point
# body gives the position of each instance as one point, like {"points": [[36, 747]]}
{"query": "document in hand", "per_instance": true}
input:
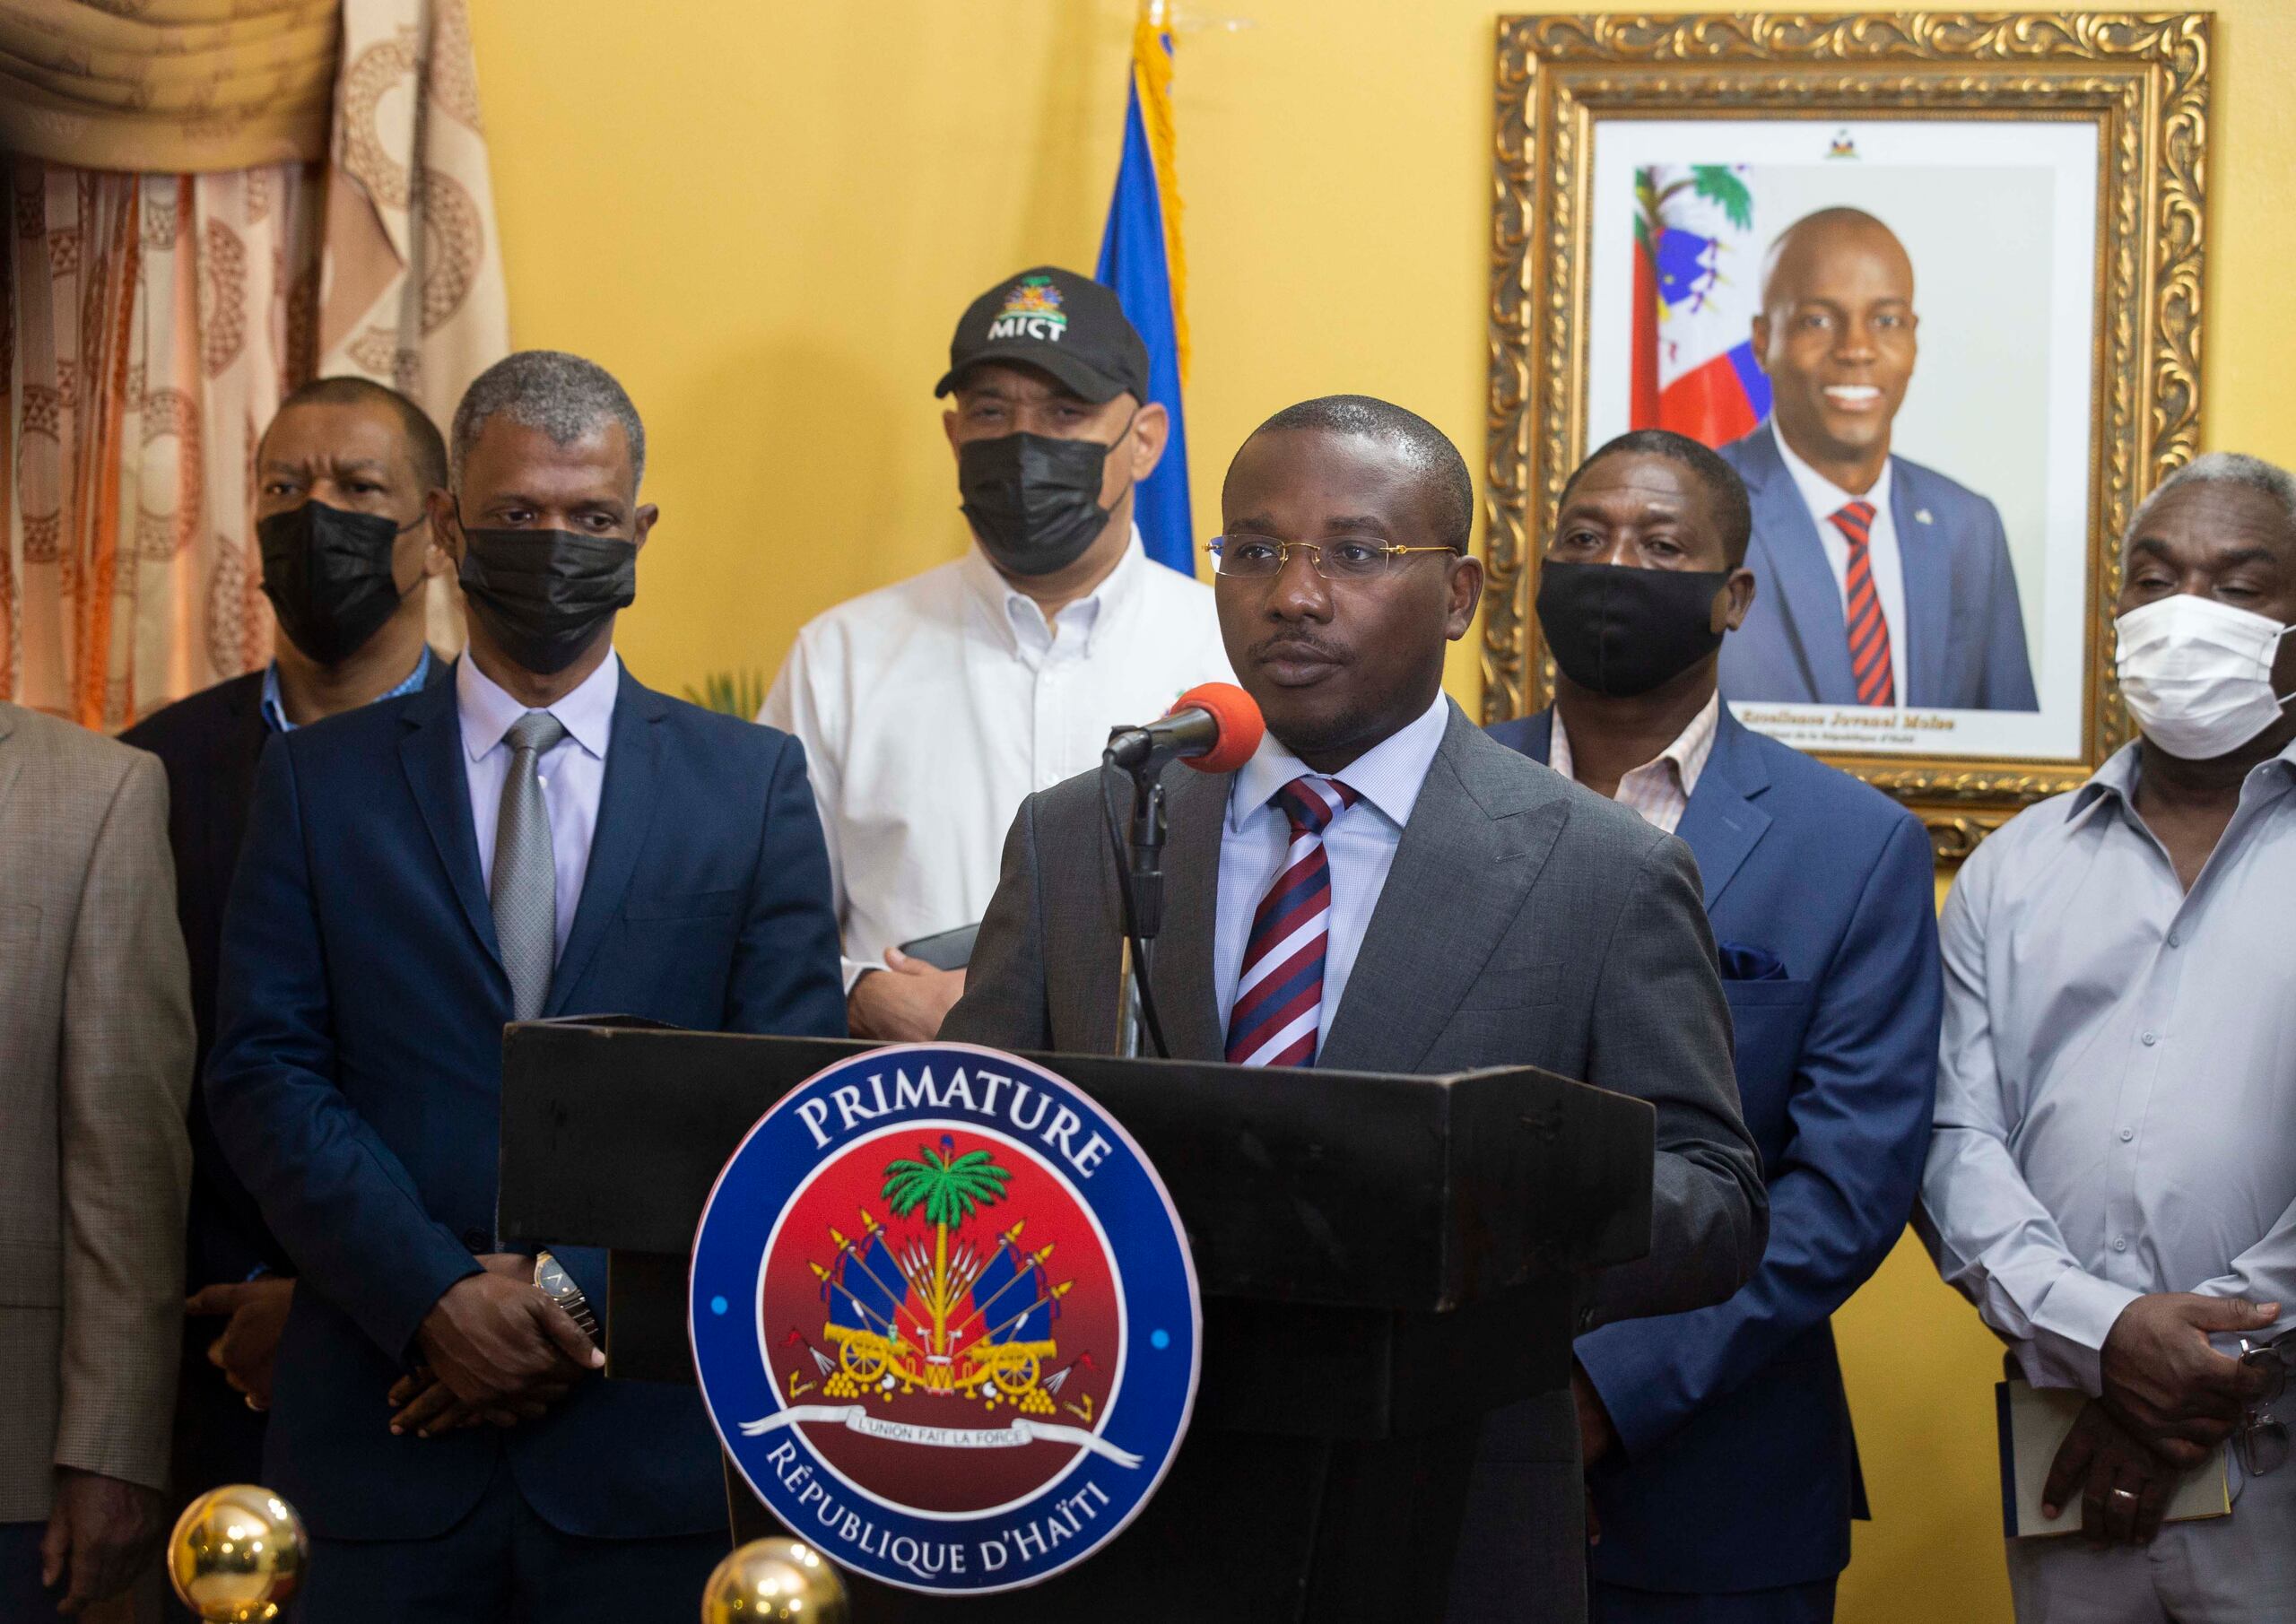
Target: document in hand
{"points": [[2034, 1421]]}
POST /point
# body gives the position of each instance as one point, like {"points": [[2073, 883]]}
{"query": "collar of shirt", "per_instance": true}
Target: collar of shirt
{"points": [[1021, 624], [1390, 775], [1660, 788], [2116, 781], [488, 711], [1821, 495], [274, 706]]}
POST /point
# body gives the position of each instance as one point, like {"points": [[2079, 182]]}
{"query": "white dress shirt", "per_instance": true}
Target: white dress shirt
{"points": [[1824, 499], [573, 771], [1659, 790], [931, 709], [1360, 843], [2116, 1082]]}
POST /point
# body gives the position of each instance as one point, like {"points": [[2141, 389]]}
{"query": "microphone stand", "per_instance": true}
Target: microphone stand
{"points": [[1140, 884]]}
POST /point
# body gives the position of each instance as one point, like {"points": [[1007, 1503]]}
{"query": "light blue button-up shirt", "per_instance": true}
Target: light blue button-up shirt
{"points": [[1359, 845], [274, 704], [2117, 1087]]}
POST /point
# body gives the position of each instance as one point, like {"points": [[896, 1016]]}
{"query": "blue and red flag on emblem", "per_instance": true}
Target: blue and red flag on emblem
{"points": [[1697, 289], [1141, 259]]}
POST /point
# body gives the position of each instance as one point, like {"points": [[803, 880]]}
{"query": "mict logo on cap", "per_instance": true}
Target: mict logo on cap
{"points": [[1058, 322]]}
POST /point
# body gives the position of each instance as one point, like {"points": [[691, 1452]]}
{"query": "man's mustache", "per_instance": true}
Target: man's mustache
{"points": [[1296, 644]]}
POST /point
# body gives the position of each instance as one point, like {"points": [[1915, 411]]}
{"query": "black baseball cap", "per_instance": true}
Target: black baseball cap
{"points": [[1067, 324]]}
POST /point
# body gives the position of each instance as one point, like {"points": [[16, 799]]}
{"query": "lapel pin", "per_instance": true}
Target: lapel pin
{"points": [[1921, 516]]}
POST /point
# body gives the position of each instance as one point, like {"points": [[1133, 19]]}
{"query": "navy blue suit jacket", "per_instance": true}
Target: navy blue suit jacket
{"points": [[1964, 635], [356, 1079], [1739, 1470], [210, 742]]}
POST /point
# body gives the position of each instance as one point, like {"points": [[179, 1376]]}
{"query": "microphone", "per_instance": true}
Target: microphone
{"points": [[1213, 727]]}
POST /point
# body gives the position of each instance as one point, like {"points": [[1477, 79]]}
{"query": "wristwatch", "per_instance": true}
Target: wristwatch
{"points": [[555, 1283]]}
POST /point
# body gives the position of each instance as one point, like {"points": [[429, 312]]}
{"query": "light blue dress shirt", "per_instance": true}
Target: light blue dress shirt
{"points": [[2117, 1083], [1359, 845], [274, 706], [573, 771]]}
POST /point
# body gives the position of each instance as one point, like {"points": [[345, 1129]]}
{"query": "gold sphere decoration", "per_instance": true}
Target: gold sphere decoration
{"points": [[775, 1582], [237, 1554]]}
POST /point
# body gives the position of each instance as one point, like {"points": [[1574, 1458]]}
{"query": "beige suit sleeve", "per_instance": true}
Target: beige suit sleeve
{"points": [[123, 1087]]}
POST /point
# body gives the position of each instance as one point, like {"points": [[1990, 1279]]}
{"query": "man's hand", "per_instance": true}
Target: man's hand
{"points": [[1597, 1436], [904, 1003], [102, 1531], [2124, 1487], [250, 1342], [2164, 1382], [427, 1407], [495, 1342]]}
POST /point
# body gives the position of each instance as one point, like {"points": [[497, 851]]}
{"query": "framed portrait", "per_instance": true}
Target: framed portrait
{"points": [[1931, 283]]}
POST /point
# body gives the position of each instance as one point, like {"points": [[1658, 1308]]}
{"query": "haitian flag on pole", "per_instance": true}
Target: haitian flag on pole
{"points": [[1697, 289], [1141, 259]]}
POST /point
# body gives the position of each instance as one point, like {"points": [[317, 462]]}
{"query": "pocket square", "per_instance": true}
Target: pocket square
{"points": [[1743, 962]]}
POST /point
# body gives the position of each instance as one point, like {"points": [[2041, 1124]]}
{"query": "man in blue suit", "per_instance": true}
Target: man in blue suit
{"points": [[1884, 582], [1723, 1473], [541, 837]]}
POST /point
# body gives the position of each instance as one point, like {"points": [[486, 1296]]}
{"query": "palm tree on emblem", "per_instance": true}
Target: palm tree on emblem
{"points": [[950, 1188]]}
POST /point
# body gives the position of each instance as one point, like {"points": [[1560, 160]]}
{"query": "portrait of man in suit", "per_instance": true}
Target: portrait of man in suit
{"points": [[1884, 583]]}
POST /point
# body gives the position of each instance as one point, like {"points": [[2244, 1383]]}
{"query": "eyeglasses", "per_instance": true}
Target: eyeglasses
{"points": [[2263, 1438], [1345, 557]]}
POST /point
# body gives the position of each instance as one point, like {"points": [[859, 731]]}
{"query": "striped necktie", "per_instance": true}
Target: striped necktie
{"points": [[1869, 629], [1280, 996]]}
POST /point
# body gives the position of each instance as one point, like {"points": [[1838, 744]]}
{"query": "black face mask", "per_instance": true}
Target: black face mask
{"points": [[541, 594], [1033, 500], [328, 572], [1617, 630]]}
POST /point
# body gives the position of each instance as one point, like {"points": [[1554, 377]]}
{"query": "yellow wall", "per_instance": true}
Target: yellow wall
{"points": [[765, 217]]}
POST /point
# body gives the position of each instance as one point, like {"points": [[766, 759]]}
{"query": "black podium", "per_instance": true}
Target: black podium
{"points": [[1383, 1261]]}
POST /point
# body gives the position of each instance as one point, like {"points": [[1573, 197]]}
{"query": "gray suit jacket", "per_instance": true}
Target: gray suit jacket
{"points": [[95, 1166], [1525, 921]]}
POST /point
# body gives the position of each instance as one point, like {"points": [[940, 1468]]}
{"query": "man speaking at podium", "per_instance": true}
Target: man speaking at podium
{"points": [[1384, 887]]}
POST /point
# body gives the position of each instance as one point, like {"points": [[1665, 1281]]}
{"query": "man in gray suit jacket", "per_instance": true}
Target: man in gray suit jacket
{"points": [[1384, 887], [95, 1165]]}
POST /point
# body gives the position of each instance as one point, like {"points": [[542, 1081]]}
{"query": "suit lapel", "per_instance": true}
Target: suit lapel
{"points": [[625, 812], [432, 756], [1927, 569], [1478, 838], [1790, 560], [1722, 824], [1195, 813]]}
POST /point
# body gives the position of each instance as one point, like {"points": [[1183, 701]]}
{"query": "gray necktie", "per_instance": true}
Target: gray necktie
{"points": [[525, 889]]}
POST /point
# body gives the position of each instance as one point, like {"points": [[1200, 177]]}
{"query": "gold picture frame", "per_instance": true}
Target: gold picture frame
{"points": [[2139, 81]]}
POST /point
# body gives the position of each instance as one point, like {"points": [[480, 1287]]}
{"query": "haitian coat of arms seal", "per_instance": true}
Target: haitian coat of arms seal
{"points": [[945, 1319]]}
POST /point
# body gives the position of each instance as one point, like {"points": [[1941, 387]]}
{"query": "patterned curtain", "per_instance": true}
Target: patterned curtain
{"points": [[153, 320]]}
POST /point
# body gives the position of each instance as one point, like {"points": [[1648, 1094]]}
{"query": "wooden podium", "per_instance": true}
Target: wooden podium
{"points": [[1383, 1261]]}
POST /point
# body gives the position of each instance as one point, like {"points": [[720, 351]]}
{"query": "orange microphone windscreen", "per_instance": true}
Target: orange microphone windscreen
{"points": [[1240, 724]]}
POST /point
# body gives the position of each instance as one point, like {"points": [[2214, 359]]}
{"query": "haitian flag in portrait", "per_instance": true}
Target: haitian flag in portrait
{"points": [[1697, 289]]}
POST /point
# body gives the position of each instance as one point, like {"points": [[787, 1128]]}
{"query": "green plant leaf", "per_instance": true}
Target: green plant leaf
{"points": [[1719, 185], [734, 694]]}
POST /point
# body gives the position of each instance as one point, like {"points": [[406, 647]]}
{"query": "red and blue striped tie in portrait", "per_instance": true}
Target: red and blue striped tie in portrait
{"points": [[1280, 996], [1869, 629]]}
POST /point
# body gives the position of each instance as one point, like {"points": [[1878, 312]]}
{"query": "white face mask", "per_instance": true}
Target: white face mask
{"points": [[2197, 674]]}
